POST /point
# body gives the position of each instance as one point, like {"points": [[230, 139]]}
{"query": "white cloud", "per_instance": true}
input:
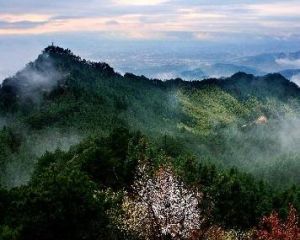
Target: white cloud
{"points": [[296, 79], [24, 17], [144, 18], [285, 9], [139, 2], [289, 63], [202, 35]]}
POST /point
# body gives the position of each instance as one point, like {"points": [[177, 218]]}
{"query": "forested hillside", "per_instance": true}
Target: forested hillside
{"points": [[84, 150]]}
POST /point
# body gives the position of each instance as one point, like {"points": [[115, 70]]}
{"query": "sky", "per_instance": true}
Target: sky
{"points": [[26, 26]]}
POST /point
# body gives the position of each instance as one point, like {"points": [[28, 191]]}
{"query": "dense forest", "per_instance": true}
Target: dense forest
{"points": [[88, 153]]}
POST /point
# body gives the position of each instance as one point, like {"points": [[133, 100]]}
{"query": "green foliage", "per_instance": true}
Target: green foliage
{"points": [[238, 200], [209, 130], [7, 233], [68, 196], [9, 144], [214, 119]]}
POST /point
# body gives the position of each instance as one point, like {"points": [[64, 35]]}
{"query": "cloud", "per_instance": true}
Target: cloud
{"points": [[203, 35], [112, 22], [30, 81], [288, 63], [11, 22], [11, 18], [286, 9], [198, 18], [20, 24], [139, 2], [296, 79], [53, 6]]}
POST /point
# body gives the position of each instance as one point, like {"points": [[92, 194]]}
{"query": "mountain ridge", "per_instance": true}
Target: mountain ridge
{"points": [[75, 134], [10, 85], [72, 94]]}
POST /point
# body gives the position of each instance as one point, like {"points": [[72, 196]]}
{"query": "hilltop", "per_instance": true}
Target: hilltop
{"points": [[73, 133], [61, 91]]}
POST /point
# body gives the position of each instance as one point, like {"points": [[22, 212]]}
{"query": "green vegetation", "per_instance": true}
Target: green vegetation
{"points": [[76, 194], [73, 133]]}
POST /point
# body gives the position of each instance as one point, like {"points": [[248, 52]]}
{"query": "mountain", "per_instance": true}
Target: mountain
{"points": [[290, 73], [74, 133], [195, 74], [286, 64], [272, 62], [227, 69], [217, 70], [64, 92]]}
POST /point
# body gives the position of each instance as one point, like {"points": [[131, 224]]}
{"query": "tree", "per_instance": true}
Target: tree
{"points": [[162, 207], [273, 228]]}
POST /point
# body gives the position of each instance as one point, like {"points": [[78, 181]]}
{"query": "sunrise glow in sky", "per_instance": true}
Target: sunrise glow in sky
{"points": [[151, 19], [88, 26]]}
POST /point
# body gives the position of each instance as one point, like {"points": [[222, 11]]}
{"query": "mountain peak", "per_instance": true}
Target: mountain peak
{"points": [[57, 50], [275, 75], [241, 75], [67, 57]]}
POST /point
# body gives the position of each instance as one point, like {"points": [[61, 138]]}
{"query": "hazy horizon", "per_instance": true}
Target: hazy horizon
{"points": [[140, 36]]}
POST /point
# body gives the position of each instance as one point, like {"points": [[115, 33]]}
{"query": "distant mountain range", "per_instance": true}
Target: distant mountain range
{"points": [[272, 62], [218, 70], [287, 64]]}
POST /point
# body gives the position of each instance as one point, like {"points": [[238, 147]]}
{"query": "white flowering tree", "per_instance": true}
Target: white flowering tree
{"points": [[162, 207]]}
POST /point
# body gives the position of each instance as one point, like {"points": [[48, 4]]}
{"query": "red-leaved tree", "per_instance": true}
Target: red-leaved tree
{"points": [[273, 228]]}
